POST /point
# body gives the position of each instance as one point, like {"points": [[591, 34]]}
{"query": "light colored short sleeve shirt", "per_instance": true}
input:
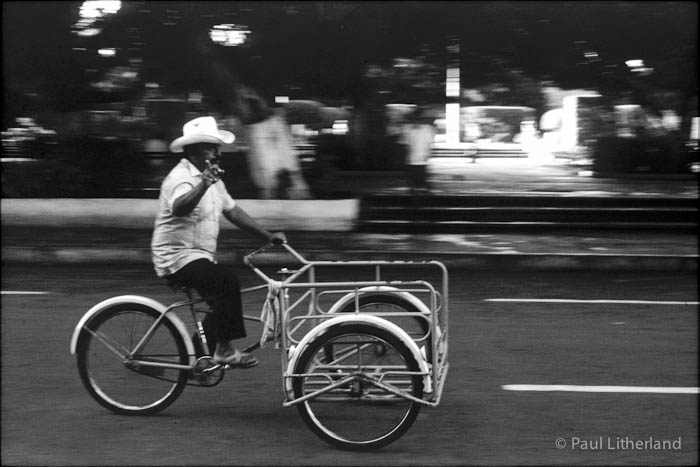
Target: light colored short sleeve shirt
{"points": [[177, 240]]}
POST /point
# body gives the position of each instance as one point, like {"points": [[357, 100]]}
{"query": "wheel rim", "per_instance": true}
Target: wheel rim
{"points": [[124, 384], [359, 412]]}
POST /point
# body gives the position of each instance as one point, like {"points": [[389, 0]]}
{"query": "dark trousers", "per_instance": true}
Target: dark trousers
{"points": [[418, 176], [220, 286]]}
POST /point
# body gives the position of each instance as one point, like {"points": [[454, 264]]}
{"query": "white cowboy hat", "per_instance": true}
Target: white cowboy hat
{"points": [[201, 130]]}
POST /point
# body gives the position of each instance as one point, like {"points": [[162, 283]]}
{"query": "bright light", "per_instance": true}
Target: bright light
{"points": [[570, 120], [229, 35], [452, 123], [107, 52], [340, 127], [637, 66], [99, 8], [281, 99], [89, 32], [90, 12], [452, 86]]}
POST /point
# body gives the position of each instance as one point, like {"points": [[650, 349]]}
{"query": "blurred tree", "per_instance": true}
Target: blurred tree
{"points": [[322, 48], [501, 82], [36, 52], [418, 78]]}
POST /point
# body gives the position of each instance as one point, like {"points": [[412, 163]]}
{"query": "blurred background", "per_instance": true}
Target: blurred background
{"points": [[94, 91]]}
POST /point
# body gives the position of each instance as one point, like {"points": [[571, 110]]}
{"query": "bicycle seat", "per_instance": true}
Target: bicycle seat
{"points": [[178, 288]]}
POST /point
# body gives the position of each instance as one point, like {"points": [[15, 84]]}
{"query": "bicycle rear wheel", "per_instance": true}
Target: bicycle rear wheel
{"points": [[120, 382], [362, 413]]}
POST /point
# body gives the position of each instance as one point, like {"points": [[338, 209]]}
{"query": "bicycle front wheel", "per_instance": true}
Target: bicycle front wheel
{"points": [[356, 400], [126, 382]]}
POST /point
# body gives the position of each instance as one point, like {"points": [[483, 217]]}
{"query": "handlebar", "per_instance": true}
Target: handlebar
{"points": [[267, 246], [247, 259]]}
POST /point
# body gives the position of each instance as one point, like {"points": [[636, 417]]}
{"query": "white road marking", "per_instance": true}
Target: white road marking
{"points": [[573, 388], [20, 292], [568, 300]]}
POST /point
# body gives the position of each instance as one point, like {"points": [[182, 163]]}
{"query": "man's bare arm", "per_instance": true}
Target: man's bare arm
{"points": [[186, 203]]}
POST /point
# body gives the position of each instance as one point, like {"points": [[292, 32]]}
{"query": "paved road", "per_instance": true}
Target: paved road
{"points": [[49, 419]]}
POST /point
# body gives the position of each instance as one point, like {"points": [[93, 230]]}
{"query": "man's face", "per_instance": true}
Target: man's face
{"points": [[200, 153]]}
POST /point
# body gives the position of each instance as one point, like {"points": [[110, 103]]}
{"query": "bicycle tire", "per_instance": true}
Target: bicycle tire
{"points": [[120, 386], [345, 421]]}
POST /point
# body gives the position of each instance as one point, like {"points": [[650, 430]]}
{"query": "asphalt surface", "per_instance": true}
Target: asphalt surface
{"points": [[643, 333]]}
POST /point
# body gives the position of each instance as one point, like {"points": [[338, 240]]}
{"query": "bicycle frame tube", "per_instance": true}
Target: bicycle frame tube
{"points": [[153, 327], [358, 376]]}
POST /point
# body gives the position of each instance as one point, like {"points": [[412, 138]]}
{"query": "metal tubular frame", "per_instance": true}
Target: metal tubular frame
{"points": [[438, 319]]}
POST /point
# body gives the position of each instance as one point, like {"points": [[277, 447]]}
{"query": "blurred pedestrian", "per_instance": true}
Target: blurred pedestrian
{"points": [[271, 150], [418, 135], [192, 199]]}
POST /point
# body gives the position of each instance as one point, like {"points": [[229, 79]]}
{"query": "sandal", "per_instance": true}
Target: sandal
{"points": [[237, 360]]}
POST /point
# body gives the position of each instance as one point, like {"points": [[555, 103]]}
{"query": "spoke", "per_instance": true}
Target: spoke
{"points": [[347, 353], [122, 380]]}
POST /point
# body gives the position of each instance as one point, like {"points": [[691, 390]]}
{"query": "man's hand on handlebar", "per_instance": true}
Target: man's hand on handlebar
{"points": [[277, 238]]}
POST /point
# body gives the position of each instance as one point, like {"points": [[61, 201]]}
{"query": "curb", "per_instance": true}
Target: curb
{"points": [[475, 261], [327, 215]]}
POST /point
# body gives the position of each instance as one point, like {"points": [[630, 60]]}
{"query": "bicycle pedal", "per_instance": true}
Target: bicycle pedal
{"points": [[215, 367], [252, 364]]}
